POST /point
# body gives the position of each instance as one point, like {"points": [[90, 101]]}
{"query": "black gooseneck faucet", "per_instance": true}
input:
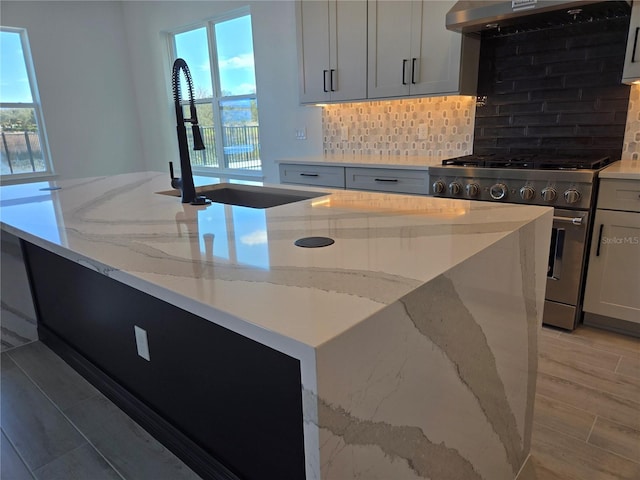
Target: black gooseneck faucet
{"points": [[185, 183]]}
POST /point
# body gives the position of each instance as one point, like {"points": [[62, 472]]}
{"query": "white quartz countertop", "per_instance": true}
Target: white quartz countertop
{"points": [[624, 169], [239, 266], [421, 162]]}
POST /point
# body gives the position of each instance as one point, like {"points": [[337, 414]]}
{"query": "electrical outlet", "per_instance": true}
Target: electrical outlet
{"points": [[344, 134], [142, 343], [422, 131], [301, 133]]}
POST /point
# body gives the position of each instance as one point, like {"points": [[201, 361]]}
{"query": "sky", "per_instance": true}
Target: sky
{"points": [[235, 60], [14, 82], [235, 57]]}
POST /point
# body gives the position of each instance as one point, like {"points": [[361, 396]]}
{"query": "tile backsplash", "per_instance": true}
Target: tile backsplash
{"points": [[433, 126], [631, 148]]}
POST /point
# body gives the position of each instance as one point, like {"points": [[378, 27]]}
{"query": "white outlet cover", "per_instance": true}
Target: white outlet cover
{"points": [[142, 343]]}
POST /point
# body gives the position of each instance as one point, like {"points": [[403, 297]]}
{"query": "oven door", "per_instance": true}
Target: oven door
{"points": [[565, 269]]}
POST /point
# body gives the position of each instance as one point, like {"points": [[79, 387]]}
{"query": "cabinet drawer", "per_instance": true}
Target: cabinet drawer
{"points": [[388, 180], [320, 175], [616, 194]]}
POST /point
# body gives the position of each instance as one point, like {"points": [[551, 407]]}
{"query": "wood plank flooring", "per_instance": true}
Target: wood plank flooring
{"points": [[587, 411], [586, 424]]}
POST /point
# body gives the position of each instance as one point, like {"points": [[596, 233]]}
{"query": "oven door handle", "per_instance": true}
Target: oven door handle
{"points": [[572, 220], [557, 255]]}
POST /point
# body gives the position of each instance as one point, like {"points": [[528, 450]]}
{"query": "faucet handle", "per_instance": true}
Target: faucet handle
{"points": [[175, 182]]}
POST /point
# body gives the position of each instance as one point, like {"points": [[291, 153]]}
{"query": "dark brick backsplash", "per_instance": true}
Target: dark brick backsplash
{"points": [[554, 91]]}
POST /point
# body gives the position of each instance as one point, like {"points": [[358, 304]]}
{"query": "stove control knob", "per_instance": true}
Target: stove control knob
{"points": [[498, 191], [455, 188], [549, 194], [438, 187], [572, 195], [473, 189], [527, 192]]}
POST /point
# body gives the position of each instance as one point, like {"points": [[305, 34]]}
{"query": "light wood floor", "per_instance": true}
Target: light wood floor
{"points": [[587, 410], [586, 424]]}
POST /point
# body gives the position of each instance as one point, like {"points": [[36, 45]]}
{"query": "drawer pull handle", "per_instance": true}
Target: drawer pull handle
{"points": [[599, 240], [324, 80], [635, 46], [392, 180], [308, 174]]}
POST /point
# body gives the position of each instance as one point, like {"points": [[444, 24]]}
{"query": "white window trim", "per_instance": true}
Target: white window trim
{"points": [[209, 24], [37, 106]]}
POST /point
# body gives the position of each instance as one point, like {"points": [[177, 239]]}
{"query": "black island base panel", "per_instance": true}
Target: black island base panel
{"points": [[228, 406]]}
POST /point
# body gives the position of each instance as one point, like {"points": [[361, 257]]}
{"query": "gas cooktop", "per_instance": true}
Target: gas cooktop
{"points": [[529, 161]]}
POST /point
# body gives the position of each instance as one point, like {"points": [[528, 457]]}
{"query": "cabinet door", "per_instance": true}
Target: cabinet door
{"points": [[313, 50], [632, 57], [348, 52], [389, 39], [435, 51], [614, 266]]}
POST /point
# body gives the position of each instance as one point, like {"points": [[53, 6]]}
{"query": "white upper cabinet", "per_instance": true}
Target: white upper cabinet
{"points": [[631, 71], [410, 52], [332, 50]]}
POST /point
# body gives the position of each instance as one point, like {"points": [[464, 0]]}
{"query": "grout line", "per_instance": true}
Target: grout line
{"points": [[17, 452], [615, 370], [57, 407], [599, 390], [566, 404], [634, 460], [597, 447], [588, 342], [593, 425]]}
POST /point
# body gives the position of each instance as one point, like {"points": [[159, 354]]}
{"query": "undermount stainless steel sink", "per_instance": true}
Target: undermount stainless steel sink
{"points": [[253, 196]]}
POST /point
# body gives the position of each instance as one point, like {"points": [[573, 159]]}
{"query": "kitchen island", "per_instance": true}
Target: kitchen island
{"points": [[406, 349]]}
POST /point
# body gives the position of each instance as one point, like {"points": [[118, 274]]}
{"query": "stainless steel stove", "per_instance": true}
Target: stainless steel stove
{"points": [[566, 183]]}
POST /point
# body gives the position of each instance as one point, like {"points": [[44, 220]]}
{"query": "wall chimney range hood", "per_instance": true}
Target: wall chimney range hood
{"points": [[512, 16]]}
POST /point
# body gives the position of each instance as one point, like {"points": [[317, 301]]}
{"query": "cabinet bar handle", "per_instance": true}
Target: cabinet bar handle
{"points": [[404, 71], [599, 240], [324, 80], [635, 46], [393, 180], [413, 70], [331, 87], [308, 174]]}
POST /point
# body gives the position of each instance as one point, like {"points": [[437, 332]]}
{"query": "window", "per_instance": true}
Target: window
{"points": [[219, 54], [23, 144]]}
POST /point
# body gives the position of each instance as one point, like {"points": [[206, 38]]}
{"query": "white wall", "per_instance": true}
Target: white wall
{"points": [[274, 37], [86, 88], [104, 77]]}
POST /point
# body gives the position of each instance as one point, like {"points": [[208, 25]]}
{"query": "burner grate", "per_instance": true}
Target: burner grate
{"points": [[529, 162]]}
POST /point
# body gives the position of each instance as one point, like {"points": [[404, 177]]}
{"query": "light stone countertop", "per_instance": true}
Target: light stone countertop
{"points": [[386, 245], [414, 162], [416, 331], [624, 170]]}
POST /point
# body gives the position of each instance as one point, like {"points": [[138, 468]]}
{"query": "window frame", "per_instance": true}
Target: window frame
{"points": [[217, 98], [36, 105]]}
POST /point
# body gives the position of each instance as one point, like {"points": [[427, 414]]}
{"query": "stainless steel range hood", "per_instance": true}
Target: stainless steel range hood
{"points": [[477, 15]]}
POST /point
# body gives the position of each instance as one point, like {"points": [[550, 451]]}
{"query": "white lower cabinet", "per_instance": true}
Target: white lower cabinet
{"points": [[388, 180], [612, 293], [392, 180]]}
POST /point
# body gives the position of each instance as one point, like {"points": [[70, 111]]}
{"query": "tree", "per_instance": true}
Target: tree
{"points": [[18, 120]]}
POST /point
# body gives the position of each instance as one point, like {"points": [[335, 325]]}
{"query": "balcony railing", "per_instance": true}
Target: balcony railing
{"points": [[241, 148], [20, 152]]}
